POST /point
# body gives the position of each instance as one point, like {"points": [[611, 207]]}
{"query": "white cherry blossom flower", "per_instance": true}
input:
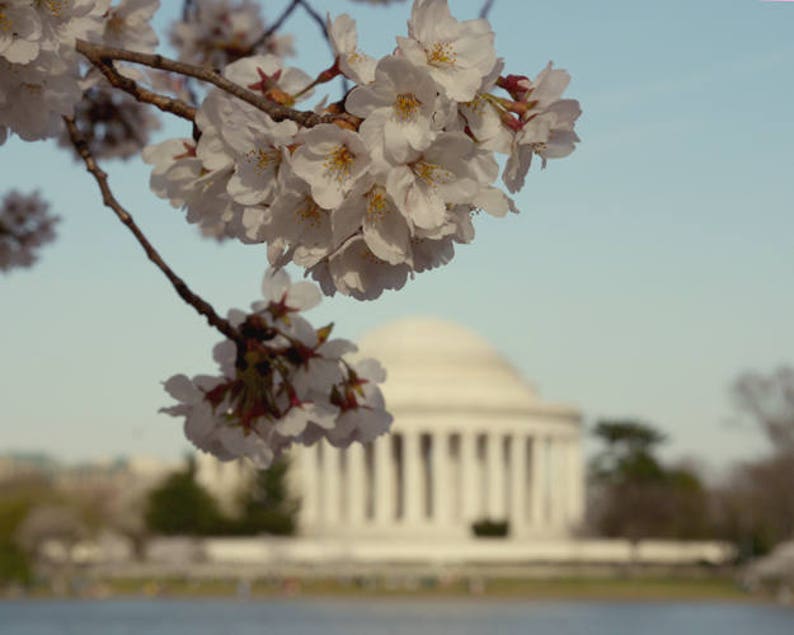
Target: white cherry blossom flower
{"points": [[331, 160], [25, 225], [175, 168], [430, 181], [457, 54], [64, 21], [397, 108], [283, 297], [259, 147], [217, 32], [355, 271], [297, 219], [546, 126], [354, 64], [364, 417], [482, 117], [20, 31], [43, 92], [127, 25], [370, 210]]}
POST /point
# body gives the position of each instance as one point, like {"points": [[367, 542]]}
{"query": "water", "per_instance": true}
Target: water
{"points": [[388, 617]]}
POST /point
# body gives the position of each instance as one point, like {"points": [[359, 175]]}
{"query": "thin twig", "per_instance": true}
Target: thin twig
{"points": [[276, 111], [271, 30], [316, 17], [180, 286], [187, 9], [486, 8], [163, 102]]}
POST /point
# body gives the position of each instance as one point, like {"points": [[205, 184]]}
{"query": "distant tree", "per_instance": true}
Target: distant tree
{"points": [[267, 505], [58, 522], [755, 505], [636, 496], [769, 401], [181, 506]]}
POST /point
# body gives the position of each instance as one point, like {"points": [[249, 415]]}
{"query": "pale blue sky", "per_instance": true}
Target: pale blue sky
{"points": [[643, 274]]}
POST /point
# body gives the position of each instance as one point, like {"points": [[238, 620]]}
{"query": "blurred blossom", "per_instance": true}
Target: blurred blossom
{"points": [[25, 225]]}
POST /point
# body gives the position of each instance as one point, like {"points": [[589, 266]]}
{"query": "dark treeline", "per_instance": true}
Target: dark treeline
{"points": [[635, 495]]}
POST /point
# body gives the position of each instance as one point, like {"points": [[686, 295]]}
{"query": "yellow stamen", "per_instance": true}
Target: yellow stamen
{"points": [[309, 212], [265, 158], [432, 174], [406, 106], [441, 54], [55, 7], [378, 206], [5, 22], [338, 162]]}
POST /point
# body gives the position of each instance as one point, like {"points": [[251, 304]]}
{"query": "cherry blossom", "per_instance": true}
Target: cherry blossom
{"points": [[284, 382], [25, 225], [352, 63], [127, 25], [397, 108], [457, 54], [331, 160], [20, 31]]}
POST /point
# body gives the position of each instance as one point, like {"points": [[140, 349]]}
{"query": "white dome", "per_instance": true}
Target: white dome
{"points": [[434, 365]]}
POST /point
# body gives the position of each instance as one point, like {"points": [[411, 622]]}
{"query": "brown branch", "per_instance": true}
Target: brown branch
{"points": [[180, 286], [316, 17], [163, 102], [271, 30], [276, 111]]}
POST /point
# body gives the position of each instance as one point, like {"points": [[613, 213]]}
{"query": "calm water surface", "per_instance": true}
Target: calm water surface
{"points": [[390, 617]]}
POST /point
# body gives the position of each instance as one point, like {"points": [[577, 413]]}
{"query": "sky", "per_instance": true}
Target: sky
{"points": [[644, 273]]}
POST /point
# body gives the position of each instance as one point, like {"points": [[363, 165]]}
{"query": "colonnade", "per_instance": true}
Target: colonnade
{"points": [[443, 481]]}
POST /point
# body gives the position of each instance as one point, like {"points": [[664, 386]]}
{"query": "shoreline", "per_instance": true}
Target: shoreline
{"points": [[628, 590]]}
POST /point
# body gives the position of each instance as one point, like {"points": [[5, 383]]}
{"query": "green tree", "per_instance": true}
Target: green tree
{"points": [[267, 506], [18, 497], [181, 506], [636, 495]]}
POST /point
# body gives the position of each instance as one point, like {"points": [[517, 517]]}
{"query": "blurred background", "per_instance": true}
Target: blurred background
{"points": [[639, 301]]}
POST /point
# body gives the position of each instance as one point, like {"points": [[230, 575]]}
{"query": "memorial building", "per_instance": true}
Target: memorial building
{"points": [[472, 445]]}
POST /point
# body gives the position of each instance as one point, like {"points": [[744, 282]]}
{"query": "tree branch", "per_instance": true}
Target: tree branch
{"points": [[486, 8], [166, 104], [276, 111], [271, 30], [180, 286], [316, 17]]}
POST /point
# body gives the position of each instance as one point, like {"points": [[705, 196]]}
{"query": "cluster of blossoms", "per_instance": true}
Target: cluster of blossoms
{"points": [[25, 225], [215, 33], [363, 193], [388, 183], [284, 382], [40, 74]]}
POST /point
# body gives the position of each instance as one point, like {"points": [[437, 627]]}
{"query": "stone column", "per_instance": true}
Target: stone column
{"points": [[440, 470], [538, 482], [469, 482], [385, 505], [576, 483], [310, 509], [331, 475], [412, 478], [559, 482], [356, 485], [496, 481], [518, 484]]}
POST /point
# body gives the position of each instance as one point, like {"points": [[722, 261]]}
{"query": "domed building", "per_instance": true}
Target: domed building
{"points": [[473, 449]]}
